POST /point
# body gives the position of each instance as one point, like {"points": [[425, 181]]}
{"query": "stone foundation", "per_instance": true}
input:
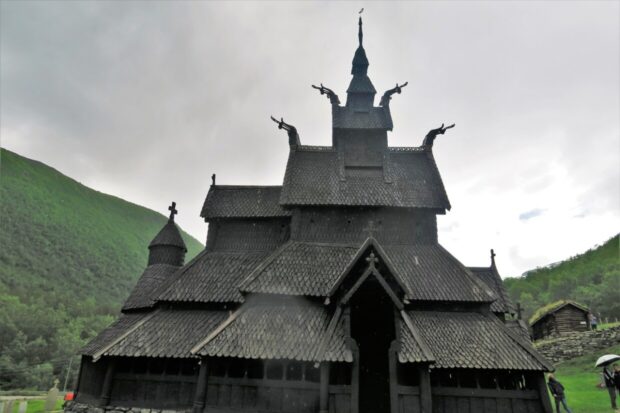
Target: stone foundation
{"points": [[577, 344], [74, 407]]}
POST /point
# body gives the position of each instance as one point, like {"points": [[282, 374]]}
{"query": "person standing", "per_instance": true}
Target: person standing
{"points": [[557, 391], [610, 383], [593, 321]]}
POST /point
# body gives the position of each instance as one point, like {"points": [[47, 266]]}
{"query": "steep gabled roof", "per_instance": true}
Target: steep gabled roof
{"points": [[144, 293], [212, 277], [472, 340], [491, 277], [410, 179], [225, 201], [279, 328], [111, 333], [347, 118]]}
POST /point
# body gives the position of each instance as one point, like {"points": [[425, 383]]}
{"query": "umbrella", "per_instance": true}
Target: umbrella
{"points": [[606, 360]]}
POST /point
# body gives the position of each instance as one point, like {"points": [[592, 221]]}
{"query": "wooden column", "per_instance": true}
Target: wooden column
{"points": [[544, 395], [200, 394], [106, 389], [392, 357], [324, 391], [355, 376], [426, 397]]}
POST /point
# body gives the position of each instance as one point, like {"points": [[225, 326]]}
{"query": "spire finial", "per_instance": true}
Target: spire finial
{"points": [[492, 257], [173, 211], [360, 34]]}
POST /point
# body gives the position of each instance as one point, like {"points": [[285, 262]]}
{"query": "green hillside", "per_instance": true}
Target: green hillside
{"points": [[69, 256], [592, 278]]}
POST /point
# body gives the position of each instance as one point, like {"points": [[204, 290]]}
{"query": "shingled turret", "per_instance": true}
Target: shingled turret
{"points": [[168, 247]]}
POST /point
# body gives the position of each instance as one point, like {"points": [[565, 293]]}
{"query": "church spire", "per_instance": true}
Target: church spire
{"points": [[361, 92]]}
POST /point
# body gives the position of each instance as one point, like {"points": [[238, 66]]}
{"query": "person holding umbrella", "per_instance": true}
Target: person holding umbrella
{"points": [[557, 391], [608, 376]]}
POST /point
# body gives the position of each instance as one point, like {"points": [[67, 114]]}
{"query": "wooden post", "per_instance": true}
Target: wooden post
{"points": [[426, 397], [106, 389], [324, 391], [355, 376], [201, 387], [392, 353], [544, 395]]}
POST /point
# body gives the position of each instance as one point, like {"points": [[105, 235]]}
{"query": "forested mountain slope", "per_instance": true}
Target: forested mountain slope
{"points": [[591, 278], [69, 256]]}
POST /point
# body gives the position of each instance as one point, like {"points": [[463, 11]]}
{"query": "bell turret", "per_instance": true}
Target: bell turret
{"points": [[168, 247]]}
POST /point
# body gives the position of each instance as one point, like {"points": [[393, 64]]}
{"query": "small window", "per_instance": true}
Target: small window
{"points": [[340, 373], [275, 370], [189, 367], [313, 373], [139, 366], [294, 371], [217, 367], [467, 379], [124, 365], [255, 369], [156, 366], [173, 367], [236, 368]]}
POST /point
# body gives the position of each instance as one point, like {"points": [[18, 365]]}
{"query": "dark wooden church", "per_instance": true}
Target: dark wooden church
{"points": [[329, 293]]}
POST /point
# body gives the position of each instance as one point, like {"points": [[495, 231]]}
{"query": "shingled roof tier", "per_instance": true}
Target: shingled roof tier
{"points": [[243, 202], [470, 340], [410, 179], [292, 329], [111, 333], [312, 269], [491, 277], [144, 293], [165, 333], [212, 277]]}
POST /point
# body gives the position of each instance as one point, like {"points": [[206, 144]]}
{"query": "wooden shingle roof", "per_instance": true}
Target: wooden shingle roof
{"points": [[144, 293], [212, 277], [410, 180], [491, 277], [347, 118], [276, 328], [167, 333], [169, 235], [106, 337], [472, 340], [428, 272], [225, 201]]}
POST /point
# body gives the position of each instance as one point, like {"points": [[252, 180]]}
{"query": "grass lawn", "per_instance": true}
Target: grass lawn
{"points": [[36, 406], [580, 379]]}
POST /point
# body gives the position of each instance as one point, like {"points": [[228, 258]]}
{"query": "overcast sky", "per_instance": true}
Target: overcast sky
{"points": [[146, 100]]}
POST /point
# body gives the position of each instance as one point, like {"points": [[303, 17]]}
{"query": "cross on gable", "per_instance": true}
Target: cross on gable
{"points": [[371, 229], [519, 310], [372, 259], [173, 211]]}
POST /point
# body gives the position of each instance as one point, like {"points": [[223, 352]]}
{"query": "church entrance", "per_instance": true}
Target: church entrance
{"points": [[372, 327]]}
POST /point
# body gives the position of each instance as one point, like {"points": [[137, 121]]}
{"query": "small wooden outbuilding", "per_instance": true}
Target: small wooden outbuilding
{"points": [[561, 317]]}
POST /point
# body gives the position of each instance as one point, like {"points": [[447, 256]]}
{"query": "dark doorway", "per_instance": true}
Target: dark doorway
{"points": [[372, 327]]}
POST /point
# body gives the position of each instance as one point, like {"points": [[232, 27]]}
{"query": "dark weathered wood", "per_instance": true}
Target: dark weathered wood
{"points": [[426, 398], [355, 376], [487, 393], [543, 393], [393, 377], [106, 388], [200, 394], [324, 390]]}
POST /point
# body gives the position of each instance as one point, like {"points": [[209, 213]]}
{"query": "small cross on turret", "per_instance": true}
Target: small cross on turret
{"points": [[492, 257], [173, 211], [372, 260]]}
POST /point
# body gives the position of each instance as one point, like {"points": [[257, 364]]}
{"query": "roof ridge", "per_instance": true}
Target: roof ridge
{"points": [[246, 186], [256, 272]]}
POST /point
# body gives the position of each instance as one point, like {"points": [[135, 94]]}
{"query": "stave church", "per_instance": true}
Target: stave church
{"points": [[327, 294]]}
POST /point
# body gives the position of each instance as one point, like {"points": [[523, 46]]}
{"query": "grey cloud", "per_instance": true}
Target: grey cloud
{"points": [[147, 102], [531, 214]]}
